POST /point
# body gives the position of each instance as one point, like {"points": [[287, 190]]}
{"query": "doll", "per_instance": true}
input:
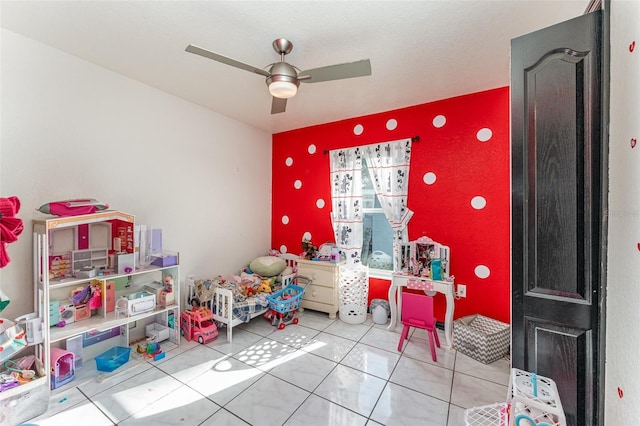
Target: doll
{"points": [[168, 284]]}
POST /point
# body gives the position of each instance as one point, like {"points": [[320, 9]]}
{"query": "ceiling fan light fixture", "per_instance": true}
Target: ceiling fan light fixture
{"points": [[283, 89]]}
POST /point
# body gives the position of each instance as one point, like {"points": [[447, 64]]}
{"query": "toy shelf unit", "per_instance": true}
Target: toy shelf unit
{"points": [[87, 284]]}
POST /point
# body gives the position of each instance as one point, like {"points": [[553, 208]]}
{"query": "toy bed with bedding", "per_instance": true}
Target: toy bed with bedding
{"points": [[230, 301]]}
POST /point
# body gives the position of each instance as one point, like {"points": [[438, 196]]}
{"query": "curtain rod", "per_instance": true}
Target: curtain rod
{"points": [[413, 139]]}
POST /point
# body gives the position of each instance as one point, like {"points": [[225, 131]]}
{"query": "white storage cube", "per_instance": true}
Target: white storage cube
{"points": [[156, 331]]}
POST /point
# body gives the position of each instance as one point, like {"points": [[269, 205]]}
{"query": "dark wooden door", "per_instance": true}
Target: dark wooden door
{"points": [[557, 211]]}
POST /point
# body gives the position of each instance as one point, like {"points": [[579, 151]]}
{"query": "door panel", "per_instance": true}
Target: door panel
{"points": [[557, 219]]}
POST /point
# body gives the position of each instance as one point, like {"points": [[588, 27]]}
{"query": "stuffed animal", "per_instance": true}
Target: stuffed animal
{"points": [[310, 251], [265, 287]]}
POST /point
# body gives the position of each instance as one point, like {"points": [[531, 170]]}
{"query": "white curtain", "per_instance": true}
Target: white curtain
{"points": [[346, 200], [388, 165]]}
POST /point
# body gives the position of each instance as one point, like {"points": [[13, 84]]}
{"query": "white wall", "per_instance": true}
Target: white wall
{"points": [[623, 269], [71, 129]]}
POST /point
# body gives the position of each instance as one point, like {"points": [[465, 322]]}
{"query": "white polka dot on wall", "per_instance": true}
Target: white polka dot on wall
{"points": [[288, 161], [283, 249], [439, 121], [285, 219], [358, 129], [429, 178], [307, 236], [392, 124], [482, 271], [297, 184], [311, 149], [478, 202], [484, 135], [320, 203]]}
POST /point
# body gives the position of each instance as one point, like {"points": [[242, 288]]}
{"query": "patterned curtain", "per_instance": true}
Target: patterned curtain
{"points": [[346, 200], [388, 165]]}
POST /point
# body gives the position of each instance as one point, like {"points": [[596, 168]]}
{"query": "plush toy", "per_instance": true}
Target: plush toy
{"points": [[310, 251], [265, 287], [247, 290]]}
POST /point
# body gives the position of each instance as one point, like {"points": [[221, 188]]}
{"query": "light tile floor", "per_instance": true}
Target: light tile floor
{"points": [[318, 372]]}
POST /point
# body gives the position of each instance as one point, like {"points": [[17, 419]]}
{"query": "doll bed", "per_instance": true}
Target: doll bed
{"points": [[226, 301]]}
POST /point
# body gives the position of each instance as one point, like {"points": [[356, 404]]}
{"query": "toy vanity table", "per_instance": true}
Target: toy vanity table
{"points": [[424, 265]]}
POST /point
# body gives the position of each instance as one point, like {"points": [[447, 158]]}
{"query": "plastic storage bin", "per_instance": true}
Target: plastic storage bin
{"points": [[534, 398], [379, 311], [487, 415], [113, 358]]}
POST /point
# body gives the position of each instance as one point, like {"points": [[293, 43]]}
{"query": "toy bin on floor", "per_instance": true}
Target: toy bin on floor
{"points": [[379, 311], [483, 339], [535, 399], [25, 402], [63, 367], [354, 292], [487, 415], [112, 359]]}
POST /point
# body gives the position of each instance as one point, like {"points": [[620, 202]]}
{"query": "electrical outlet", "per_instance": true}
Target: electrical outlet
{"points": [[462, 290]]}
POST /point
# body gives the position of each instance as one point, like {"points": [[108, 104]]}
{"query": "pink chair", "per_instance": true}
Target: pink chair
{"points": [[417, 311]]}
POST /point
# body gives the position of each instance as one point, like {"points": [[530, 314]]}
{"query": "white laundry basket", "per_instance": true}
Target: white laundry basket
{"points": [[354, 292]]}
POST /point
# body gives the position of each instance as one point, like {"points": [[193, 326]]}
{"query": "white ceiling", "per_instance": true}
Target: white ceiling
{"points": [[420, 51]]}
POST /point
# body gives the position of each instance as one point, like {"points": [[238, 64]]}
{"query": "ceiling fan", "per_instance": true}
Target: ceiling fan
{"points": [[283, 79]]}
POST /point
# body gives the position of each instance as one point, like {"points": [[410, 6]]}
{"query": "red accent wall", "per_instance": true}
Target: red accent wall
{"points": [[459, 188]]}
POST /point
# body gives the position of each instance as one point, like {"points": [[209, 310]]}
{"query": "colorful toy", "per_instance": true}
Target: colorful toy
{"points": [[283, 306], [62, 367], [95, 301], [152, 350], [8, 381], [198, 325], [81, 295], [309, 250]]}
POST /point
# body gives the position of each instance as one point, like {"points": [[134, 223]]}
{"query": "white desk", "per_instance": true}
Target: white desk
{"points": [[399, 280]]}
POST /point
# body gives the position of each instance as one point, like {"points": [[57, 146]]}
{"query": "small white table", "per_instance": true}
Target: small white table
{"points": [[429, 286]]}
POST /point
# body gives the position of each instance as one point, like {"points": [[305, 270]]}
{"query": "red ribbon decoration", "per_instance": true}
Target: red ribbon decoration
{"points": [[10, 226]]}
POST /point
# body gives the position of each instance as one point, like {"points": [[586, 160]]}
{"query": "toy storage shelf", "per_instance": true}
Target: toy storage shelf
{"points": [[54, 287]]}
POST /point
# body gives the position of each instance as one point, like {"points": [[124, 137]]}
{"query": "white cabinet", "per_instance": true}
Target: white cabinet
{"points": [[322, 294], [94, 324]]}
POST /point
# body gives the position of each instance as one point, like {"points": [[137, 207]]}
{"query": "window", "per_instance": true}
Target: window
{"points": [[377, 235]]}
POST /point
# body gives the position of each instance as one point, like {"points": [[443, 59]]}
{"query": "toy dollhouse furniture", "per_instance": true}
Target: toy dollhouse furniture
{"points": [[62, 367], [415, 273], [59, 238], [417, 311]]}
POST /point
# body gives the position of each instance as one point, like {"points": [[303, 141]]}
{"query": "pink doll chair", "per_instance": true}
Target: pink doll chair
{"points": [[417, 311]]}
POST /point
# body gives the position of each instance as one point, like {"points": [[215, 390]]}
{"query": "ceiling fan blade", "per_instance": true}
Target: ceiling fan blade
{"points": [[208, 54], [336, 72], [278, 105]]}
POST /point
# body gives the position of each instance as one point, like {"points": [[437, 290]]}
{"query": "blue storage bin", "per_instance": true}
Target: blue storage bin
{"points": [[113, 358]]}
